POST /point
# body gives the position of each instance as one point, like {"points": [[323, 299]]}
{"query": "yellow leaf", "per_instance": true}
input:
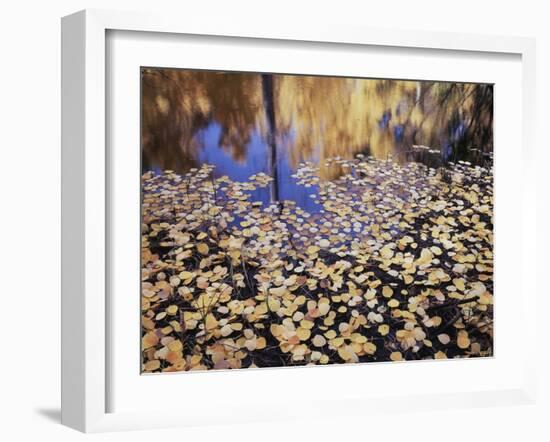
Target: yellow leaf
{"points": [[369, 348], [369, 294], [386, 252], [235, 254], [172, 309], [358, 338], [149, 340], [175, 345], [318, 341], [273, 304], [276, 330], [324, 243], [485, 299], [393, 303], [323, 308], [459, 284], [202, 248], [345, 352], [462, 340], [396, 356], [211, 322], [147, 323], [303, 333], [337, 342], [436, 250], [151, 365], [311, 250], [226, 330], [444, 338], [387, 291], [299, 350], [426, 257], [173, 357], [167, 330], [186, 275]]}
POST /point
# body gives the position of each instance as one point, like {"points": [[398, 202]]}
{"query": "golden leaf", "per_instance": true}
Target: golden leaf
{"points": [[444, 338], [324, 243], [203, 248], [151, 365], [149, 340], [396, 356], [186, 275], [369, 348], [260, 343], [172, 309], [462, 340], [175, 345], [318, 341], [386, 252], [273, 304], [323, 309], [345, 352], [211, 322], [226, 330], [303, 333], [393, 303]]}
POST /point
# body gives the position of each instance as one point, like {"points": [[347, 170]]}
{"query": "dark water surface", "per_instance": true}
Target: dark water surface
{"points": [[244, 124]]}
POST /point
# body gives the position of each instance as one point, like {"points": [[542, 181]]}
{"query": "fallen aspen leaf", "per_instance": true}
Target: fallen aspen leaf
{"points": [[324, 243], [151, 365], [393, 303], [462, 340], [149, 340], [396, 356], [172, 309], [318, 341], [226, 330], [303, 333], [444, 338], [203, 248]]}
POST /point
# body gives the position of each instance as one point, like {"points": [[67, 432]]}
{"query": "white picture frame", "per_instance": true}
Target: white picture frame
{"points": [[86, 316]]}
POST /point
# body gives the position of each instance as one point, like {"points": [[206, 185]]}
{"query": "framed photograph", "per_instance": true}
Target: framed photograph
{"points": [[264, 211]]}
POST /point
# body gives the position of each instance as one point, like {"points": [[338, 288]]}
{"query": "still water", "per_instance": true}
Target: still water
{"points": [[245, 123]]}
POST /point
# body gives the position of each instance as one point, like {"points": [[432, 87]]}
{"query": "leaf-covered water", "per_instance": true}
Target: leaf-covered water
{"points": [[395, 263]]}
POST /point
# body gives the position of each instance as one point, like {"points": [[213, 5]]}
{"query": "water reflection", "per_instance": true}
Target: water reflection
{"points": [[248, 123]]}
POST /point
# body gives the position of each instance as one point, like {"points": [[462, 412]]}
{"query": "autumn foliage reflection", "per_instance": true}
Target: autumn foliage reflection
{"points": [[316, 117]]}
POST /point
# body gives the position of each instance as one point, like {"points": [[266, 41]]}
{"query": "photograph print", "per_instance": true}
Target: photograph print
{"points": [[302, 220]]}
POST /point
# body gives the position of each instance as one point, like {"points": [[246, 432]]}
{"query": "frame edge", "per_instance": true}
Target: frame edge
{"points": [[83, 372], [73, 361]]}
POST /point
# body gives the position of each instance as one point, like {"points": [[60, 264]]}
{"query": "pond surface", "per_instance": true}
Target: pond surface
{"points": [[244, 124]]}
